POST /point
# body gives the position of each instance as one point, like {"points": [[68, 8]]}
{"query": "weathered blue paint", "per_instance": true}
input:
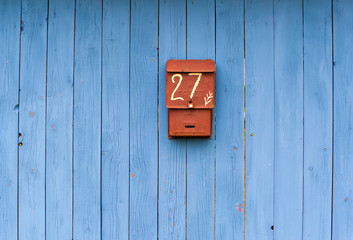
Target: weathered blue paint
{"points": [[317, 120], [32, 120], [342, 218], [288, 117], [172, 153], [87, 120], [84, 84], [230, 113], [144, 119], [259, 134], [10, 12], [59, 120], [115, 119]]}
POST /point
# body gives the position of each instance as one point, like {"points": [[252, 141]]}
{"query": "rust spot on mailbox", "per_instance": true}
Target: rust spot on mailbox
{"points": [[190, 97]]}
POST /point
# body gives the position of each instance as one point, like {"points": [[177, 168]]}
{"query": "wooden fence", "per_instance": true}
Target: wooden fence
{"points": [[84, 152]]}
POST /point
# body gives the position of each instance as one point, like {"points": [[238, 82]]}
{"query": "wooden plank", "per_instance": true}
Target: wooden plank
{"points": [[87, 120], [115, 119], [10, 13], [259, 81], [230, 116], [342, 221], [172, 153], [143, 119], [288, 196], [59, 120], [200, 152], [32, 120], [317, 120]]}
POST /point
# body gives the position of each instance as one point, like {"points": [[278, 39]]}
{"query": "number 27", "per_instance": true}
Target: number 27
{"points": [[180, 80]]}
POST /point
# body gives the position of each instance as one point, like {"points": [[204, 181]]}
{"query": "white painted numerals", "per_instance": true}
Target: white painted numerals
{"points": [[196, 83], [178, 85]]}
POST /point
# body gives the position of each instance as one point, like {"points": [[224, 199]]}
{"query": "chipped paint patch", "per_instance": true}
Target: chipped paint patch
{"points": [[239, 207], [132, 175]]}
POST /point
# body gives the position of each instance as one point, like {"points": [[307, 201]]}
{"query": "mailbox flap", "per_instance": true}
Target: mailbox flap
{"points": [[190, 84]]}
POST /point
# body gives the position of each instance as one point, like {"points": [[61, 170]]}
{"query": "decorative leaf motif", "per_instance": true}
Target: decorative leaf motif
{"points": [[208, 98]]}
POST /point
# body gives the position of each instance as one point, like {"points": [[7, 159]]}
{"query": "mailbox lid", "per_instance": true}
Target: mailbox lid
{"points": [[191, 65], [190, 81]]}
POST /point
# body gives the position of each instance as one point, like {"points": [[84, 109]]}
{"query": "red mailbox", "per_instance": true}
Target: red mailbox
{"points": [[190, 97]]}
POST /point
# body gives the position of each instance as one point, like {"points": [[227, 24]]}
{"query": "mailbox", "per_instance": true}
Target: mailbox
{"points": [[190, 97]]}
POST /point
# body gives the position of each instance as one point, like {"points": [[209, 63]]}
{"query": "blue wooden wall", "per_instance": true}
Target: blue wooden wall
{"points": [[84, 152]]}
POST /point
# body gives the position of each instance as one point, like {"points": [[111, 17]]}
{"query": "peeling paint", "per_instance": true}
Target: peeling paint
{"points": [[239, 207]]}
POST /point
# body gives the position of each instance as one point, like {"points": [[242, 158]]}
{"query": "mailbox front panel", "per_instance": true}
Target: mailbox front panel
{"points": [[190, 81]]}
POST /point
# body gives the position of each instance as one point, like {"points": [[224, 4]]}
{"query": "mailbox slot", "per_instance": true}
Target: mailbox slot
{"points": [[190, 123], [190, 98]]}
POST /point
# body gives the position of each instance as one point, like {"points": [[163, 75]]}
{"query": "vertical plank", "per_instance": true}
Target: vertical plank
{"points": [[87, 120], [259, 76], [172, 153], [32, 120], [230, 116], [59, 119], [115, 119], [343, 121], [200, 152], [143, 119], [288, 196], [10, 13], [317, 120]]}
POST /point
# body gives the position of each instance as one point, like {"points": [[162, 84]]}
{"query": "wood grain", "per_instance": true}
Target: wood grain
{"points": [[342, 218], [317, 120], [288, 115], [32, 120], [230, 116], [10, 12], [115, 119], [259, 83], [87, 120], [144, 119], [59, 120]]}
